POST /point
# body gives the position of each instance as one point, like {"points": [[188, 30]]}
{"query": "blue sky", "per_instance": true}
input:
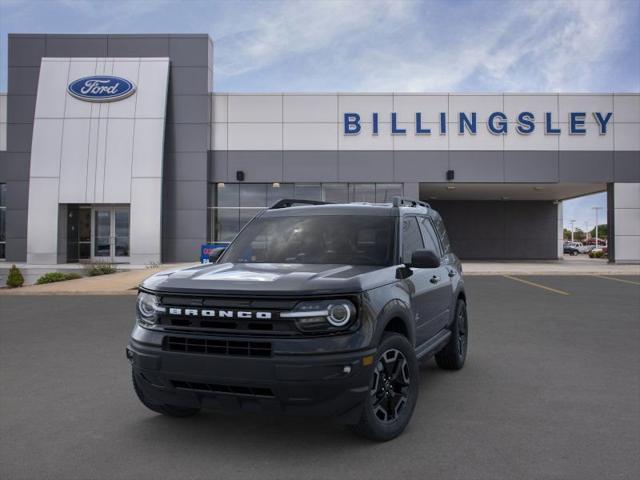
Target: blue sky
{"points": [[386, 45]]}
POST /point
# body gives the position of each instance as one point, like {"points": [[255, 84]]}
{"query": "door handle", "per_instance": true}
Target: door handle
{"points": [[452, 273], [435, 279]]}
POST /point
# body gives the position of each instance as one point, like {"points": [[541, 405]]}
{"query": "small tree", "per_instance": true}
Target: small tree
{"points": [[15, 278]]}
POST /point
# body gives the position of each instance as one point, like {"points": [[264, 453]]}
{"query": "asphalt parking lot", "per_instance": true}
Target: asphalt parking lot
{"points": [[551, 390]]}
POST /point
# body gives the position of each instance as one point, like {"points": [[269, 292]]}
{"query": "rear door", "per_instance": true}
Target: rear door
{"points": [[420, 284], [442, 292]]}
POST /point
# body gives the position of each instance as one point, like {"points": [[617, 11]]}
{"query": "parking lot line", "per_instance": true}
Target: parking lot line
{"points": [[618, 279], [534, 284]]}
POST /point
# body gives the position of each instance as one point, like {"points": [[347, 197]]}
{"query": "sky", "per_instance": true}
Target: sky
{"points": [[378, 45]]}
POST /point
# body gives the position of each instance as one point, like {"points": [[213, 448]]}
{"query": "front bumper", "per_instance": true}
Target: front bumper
{"points": [[324, 384]]}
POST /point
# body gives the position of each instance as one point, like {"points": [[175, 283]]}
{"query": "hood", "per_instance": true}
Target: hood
{"points": [[271, 279]]}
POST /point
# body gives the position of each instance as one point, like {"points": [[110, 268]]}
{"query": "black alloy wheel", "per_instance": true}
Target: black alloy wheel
{"points": [[390, 388]]}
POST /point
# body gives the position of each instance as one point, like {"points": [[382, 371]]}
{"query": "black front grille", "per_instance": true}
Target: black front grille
{"points": [[215, 388], [217, 346]]}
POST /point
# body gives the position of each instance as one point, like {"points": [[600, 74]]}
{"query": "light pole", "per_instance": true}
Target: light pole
{"points": [[596, 209], [572, 228]]}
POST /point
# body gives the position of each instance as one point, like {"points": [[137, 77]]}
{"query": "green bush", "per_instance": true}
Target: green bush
{"points": [[52, 277], [100, 269], [596, 254], [15, 278]]}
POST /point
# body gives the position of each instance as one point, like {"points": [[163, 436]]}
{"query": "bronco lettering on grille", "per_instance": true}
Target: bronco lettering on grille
{"points": [[195, 312]]}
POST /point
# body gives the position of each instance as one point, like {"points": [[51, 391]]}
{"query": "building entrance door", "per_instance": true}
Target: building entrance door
{"points": [[110, 234]]}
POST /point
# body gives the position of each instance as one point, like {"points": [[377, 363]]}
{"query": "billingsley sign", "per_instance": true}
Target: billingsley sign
{"points": [[497, 123], [101, 88]]}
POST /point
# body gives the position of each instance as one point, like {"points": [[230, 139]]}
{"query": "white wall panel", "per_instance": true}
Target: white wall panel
{"points": [[255, 136], [92, 159], [77, 69], [411, 141], [73, 163], [42, 222], [148, 148], [627, 136], [366, 141], [536, 104], [3, 136], [626, 195], [3, 108], [584, 103], [101, 157], [118, 158], [310, 108], [628, 221], [151, 91], [482, 140], [534, 141], [146, 219], [430, 106], [365, 105], [592, 140], [310, 136], [219, 104], [255, 108], [52, 86], [219, 136], [46, 144], [483, 105], [626, 108], [125, 108]]}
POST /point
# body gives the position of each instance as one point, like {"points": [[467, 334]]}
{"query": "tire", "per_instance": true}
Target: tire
{"points": [[169, 410], [393, 390], [575, 253], [454, 354]]}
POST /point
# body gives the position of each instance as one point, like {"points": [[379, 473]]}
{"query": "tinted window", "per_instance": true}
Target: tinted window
{"points": [[330, 239], [411, 238], [442, 233], [429, 235]]}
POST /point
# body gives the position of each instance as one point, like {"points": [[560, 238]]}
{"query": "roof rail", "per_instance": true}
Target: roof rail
{"points": [[401, 201], [290, 202]]}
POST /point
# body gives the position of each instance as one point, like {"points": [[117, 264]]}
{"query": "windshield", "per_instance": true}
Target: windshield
{"points": [[331, 239]]}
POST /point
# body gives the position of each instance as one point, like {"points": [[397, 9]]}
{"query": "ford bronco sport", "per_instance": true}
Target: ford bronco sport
{"points": [[321, 309]]}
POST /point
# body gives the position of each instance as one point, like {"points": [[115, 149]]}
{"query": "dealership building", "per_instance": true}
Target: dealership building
{"points": [[118, 148]]}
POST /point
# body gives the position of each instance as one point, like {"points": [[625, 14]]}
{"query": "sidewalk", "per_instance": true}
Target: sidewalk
{"points": [[120, 283], [126, 282]]}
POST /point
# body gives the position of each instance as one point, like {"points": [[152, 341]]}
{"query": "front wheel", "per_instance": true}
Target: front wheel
{"points": [[393, 390], [454, 354]]}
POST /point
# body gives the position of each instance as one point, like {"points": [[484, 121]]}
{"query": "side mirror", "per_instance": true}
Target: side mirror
{"points": [[424, 259], [215, 254]]}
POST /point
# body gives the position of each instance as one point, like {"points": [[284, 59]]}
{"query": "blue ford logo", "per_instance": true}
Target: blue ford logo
{"points": [[101, 88]]}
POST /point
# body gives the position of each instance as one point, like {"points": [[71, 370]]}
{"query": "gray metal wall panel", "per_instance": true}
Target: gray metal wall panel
{"points": [[19, 137], [501, 230], [626, 166], [185, 166], [76, 46], [184, 224], [22, 108], [586, 166], [189, 109], [429, 165], [15, 167], [23, 80], [189, 51], [258, 166], [530, 166], [365, 166], [26, 50], [218, 164], [477, 166], [186, 195], [187, 137], [308, 166], [138, 46], [188, 80]]}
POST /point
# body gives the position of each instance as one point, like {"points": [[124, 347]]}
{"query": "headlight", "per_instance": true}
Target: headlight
{"points": [[147, 309], [322, 315]]}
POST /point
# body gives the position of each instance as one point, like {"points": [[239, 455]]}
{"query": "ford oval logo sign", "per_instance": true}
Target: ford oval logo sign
{"points": [[101, 88]]}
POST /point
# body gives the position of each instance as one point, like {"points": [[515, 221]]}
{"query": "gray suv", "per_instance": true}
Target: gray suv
{"points": [[313, 309]]}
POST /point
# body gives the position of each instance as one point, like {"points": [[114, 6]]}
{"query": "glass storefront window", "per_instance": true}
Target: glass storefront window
{"points": [[232, 205], [362, 192], [3, 216]]}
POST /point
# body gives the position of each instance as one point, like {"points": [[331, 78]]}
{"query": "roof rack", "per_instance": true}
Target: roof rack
{"points": [[290, 202], [408, 202]]}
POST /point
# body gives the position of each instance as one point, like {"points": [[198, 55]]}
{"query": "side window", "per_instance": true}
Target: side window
{"points": [[429, 235], [411, 238], [442, 233]]}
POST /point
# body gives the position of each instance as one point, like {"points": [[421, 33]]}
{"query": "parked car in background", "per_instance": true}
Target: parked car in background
{"points": [[572, 248]]}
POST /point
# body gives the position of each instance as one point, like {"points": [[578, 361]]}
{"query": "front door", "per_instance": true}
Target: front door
{"points": [[110, 229]]}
